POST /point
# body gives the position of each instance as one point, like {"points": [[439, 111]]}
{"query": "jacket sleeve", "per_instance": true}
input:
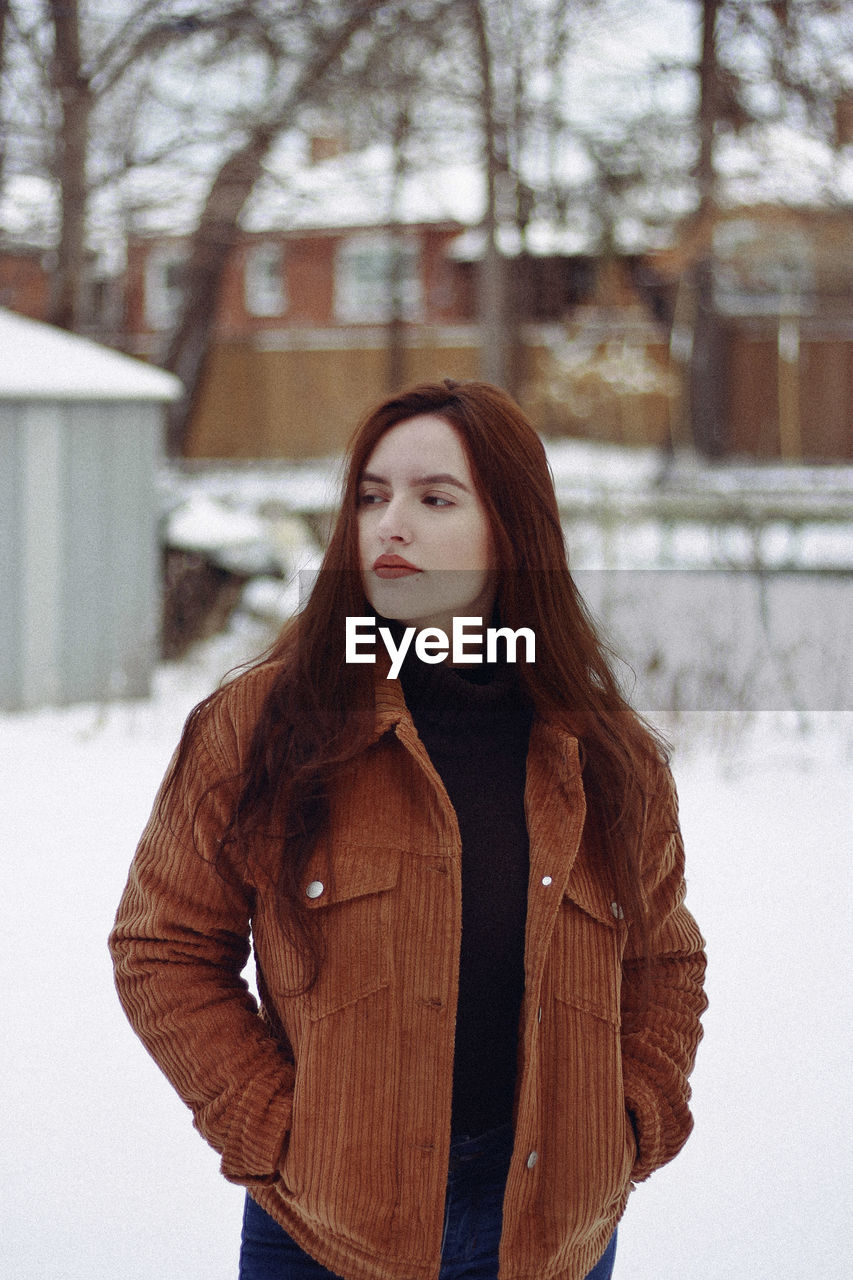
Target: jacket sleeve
{"points": [[663, 1000], [179, 944]]}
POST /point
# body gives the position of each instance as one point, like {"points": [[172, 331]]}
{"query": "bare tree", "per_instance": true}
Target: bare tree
{"points": [[758, 65], [218, 225], [93, 67], [73, 72], [395, 363], [394, 98], [706, 379], [761, 63], [492, 284], [4, 25], [80, 63], [75, 98]]}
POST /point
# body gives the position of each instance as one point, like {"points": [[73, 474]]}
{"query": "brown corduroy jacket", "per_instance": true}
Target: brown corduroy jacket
{"points": [[333, 1107]]}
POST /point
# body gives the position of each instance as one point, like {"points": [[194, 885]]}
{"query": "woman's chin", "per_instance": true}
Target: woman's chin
{"points": [[431, 600]]}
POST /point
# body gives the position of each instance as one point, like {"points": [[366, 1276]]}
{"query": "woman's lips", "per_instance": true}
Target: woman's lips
{"points": [[393, 567]]}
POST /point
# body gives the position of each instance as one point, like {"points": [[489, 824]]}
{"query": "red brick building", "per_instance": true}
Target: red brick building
{"points": [[302, 333], [306, 335], [25, 281]]}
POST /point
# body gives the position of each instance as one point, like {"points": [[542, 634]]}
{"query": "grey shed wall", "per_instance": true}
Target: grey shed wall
{"points": [[79, 596]]}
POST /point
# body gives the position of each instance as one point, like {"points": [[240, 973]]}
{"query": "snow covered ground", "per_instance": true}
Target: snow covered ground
{"points": [[722, 585], [105, 1179]]}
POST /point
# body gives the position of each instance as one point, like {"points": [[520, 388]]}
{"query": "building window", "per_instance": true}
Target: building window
{"points": [[263, 280], [165, 271], [364, 279]]}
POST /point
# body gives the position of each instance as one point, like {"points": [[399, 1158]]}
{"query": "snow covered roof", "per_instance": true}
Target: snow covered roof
{"points": [[358, 189], [40, 362], [784, 166]]}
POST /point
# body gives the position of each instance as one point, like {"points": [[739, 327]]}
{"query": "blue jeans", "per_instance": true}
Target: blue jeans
{"points": [[472, 1222]]}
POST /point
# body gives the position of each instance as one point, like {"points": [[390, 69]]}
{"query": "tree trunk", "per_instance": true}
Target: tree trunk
{"points": [[492, 284], [707, 364], [212, 243], [395, 351], [709, 108], [218, 227], [4, 14], [69, 165]]}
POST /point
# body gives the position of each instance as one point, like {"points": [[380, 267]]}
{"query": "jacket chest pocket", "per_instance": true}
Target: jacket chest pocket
{"points": [[350, 905], [588, 944]]}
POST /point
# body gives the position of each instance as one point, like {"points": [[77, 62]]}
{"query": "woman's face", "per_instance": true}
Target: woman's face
{"points": [[425, 545]]}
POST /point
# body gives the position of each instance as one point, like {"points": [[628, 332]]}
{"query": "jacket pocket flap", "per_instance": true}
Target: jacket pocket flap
{"points": [[587, 956], [591, 897], [355, 871]]}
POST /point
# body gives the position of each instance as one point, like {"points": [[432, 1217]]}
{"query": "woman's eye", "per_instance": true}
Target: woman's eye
{"points": [[369, 499], [436, 500]]}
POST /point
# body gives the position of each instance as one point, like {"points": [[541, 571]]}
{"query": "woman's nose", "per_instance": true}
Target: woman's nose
{"points": [[394, 525]]}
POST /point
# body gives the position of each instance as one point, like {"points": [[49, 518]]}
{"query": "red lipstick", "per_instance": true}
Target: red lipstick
{"points": [[393, 567]]}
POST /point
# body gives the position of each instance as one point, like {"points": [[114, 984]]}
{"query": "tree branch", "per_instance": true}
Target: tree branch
{"points": [[218, 224]]}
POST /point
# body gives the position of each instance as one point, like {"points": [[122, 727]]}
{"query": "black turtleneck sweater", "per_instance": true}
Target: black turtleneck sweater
{"points": [[475, 725]]}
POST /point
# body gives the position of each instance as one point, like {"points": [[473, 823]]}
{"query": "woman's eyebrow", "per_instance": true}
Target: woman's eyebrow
{"points": [[417, 482], [441, 477]]}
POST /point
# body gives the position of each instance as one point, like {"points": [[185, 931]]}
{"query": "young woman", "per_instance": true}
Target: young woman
{"points": [[480, 988]]}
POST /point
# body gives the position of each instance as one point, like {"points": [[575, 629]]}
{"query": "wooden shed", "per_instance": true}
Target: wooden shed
{"points": [[80, 437]]}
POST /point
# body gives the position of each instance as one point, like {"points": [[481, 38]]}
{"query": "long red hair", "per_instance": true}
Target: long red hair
{"points": [[318, 713]]}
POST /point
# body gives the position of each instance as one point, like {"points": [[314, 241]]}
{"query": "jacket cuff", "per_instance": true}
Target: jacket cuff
{"points": [[258, 1132], [659, 1131]]}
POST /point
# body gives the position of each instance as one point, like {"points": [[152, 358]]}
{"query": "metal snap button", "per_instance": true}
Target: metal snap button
{"points": [[314, 889], [546, 880], [532, 1158]]}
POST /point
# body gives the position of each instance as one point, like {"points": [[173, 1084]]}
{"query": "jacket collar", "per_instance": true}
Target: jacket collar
{"points": [[554, 802], [390, 704]]}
